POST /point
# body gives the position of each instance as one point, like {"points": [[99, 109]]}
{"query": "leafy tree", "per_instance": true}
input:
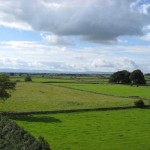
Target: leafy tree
{"points": [[13, 137], [137, 77], [120, 77], [6, 86], [28, 78]]}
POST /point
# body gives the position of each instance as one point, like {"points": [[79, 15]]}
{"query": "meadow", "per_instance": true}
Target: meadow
{"points": [[41, 96], [64, 78], [106, 130], [114, 89]]}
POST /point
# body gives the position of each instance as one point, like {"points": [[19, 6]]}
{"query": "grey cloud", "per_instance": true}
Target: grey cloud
{"points": [[57, 40], [93, 20]]}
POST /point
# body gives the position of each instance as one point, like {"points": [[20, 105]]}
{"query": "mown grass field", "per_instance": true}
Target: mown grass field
{"points": [[101, 130], [114, 89], [30, 96]]}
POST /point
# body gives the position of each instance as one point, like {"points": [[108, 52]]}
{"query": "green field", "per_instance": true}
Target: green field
{"points": [[64, 79], [41, 96], [108, 130], [114, 89], [45, 80]]}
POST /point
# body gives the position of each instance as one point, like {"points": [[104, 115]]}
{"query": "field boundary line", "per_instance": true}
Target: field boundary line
{"points": [[70, 111], [89, 91]]}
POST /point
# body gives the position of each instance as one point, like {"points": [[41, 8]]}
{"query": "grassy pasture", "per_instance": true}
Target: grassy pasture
{"points": [[32, 96], [44, 79], [107, 130], [114, 89], [64, 79]]}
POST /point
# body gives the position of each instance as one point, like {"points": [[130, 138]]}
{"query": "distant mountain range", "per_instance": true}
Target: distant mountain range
{"points": [[48, 71]]}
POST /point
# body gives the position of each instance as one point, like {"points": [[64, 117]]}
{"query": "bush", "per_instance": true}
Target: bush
{"points": [[28, 78], [13, 137], [139, 103]]}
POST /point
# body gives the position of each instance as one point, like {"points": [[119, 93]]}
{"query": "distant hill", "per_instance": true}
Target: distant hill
{"points": [[49, 71]]}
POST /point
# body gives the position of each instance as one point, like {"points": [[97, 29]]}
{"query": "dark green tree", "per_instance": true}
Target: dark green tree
{"points": [[13, 137], [137, 77], [120, 77], [6, 86], [28, 78]]}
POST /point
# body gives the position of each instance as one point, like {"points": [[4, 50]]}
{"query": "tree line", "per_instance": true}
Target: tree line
{"points": [[125, 77]]}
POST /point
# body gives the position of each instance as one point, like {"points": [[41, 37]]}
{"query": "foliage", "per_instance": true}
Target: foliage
{"points": [[137, 77], [6, 86], [28, 78], [44, 144], [16, 138], [125, 77], [139, 103], [120, 77]]}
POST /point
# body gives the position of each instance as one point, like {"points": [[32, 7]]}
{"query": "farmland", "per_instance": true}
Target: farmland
{"points": [[108, 130], [113, 89], [41, 96]]}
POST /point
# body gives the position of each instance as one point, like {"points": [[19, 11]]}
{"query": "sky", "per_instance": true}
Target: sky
{"points": [[75, 35]]}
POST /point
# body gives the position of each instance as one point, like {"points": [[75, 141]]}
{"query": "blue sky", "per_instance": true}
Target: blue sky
{"points": [[68, 36]]}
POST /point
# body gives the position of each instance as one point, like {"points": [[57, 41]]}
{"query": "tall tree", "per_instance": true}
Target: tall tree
{"points": [[6, 86], [137, 77], [120, 77]]}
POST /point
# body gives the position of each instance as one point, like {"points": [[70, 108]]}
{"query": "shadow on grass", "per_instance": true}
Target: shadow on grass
{"points": [[31, 118], [146, 108]]}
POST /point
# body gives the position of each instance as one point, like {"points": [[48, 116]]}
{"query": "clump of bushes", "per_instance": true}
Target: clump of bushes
{"points": [[139, 103], [28, 78], [13, 137]]}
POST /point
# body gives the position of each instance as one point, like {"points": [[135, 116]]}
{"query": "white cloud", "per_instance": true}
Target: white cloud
{"points": [[57, 40], [114, 64], [94, 20], [101, 63], [20, 55], [122, 41], [144, 8], [125, 64], [146, 37]]}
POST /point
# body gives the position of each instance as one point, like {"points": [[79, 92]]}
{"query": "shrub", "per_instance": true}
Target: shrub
{"points": [[28, 78], [139, 103], [13, 137]]}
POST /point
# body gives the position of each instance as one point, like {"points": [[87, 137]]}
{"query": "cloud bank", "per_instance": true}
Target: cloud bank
{"points": [[93, 20], [45, 57]]}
